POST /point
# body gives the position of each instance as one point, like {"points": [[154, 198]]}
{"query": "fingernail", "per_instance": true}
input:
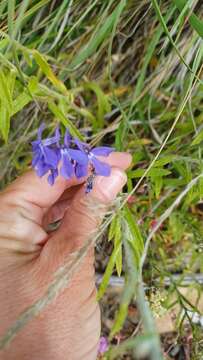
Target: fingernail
{"points": [[110, 186]]}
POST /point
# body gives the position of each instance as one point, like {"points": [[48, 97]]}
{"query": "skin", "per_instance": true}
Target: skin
{"points": [[68, 328]]}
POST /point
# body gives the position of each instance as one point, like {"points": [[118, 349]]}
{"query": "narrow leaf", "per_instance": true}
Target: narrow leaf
{"points": [[107, 274], [138, 242], [195, 22], [65, 121], [46, 69], [98, 37]]}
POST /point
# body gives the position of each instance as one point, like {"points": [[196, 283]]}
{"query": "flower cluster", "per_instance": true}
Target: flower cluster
{"points": [[68, 157]]}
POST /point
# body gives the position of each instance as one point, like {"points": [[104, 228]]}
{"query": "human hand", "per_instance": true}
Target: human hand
{"points": [[68, 328]]}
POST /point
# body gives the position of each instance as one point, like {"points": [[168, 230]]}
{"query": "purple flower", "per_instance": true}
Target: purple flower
{"points": [[45, 156], [98, 167], [75, 158], [70, 158], [103, 345]]}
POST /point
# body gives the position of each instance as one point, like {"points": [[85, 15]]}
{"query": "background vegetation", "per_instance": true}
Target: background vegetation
{"points": [[128, 74]]}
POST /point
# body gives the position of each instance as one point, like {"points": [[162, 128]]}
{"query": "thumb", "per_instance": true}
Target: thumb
{"points": [[84, 216]]}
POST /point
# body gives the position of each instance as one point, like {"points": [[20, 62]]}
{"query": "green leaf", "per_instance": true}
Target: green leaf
{"points": [[65, 121], [77, 22], [180, 168], [136, 236], [46, 69], [115, 234], [11, 79], [176, 226], [102, 100], [201, 187], [162, 21], [179, 21], [5, 94], [3, 5], [21, 12], [6, 103], [130, 185], [11, 14], [25, 97], [164, 160], [122, 313], [198, 139], [107, 274], [4, 121], [137, 156], [158, 182], [119, 261], [98, 37], [63, 7], [3, 44], [150, 48], [86, 114], [151, 173], [118, 246], [128, 290], [35, 8], [119, 136], [195, 22], [112, 228]]}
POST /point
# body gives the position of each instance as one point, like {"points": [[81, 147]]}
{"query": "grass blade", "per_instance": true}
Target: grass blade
{"points": [[195, 22], [162, 21], [98, 37]]}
